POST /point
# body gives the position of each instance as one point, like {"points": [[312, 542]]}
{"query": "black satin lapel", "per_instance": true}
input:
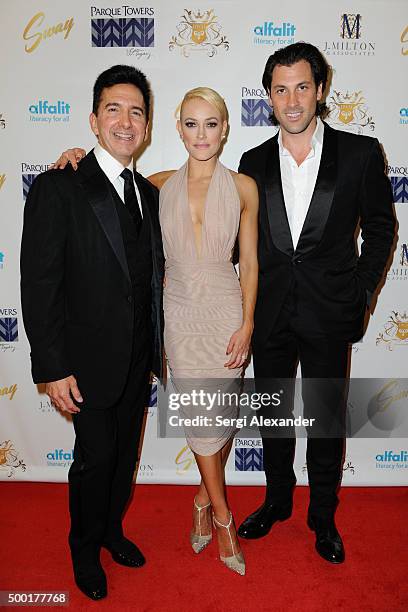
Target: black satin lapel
{"points": [[275, 203], [322, 198], [97, 188]]}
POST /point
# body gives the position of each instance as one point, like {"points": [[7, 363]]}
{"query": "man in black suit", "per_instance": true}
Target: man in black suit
{"points": [[315, 185], [91, 282]]}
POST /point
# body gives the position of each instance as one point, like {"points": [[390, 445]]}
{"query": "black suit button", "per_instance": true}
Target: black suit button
{"points": [[129, 299], [296, 261]]}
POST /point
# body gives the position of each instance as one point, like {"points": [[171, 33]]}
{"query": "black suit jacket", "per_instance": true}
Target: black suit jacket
{"points": [[331, 283], [76, 290]]}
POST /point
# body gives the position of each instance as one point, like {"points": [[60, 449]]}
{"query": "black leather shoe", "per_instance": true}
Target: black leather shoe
{"points": [[126, 553], [329, 544], [259, 523], [95, 588]]}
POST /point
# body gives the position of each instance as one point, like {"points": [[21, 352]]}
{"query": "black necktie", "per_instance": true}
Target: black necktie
{"points": [[131, 202]]}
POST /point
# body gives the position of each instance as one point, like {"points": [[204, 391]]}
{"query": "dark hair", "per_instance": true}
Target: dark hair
{"points": [[117, 75], [287, 56]]}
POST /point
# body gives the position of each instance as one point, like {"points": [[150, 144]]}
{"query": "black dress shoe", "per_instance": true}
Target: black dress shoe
{"points": [[126, 553], [259, 523], [329, 544], [93, 587]]}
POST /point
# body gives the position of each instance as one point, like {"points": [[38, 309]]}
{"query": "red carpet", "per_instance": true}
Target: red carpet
{"points": [[283, 571]]}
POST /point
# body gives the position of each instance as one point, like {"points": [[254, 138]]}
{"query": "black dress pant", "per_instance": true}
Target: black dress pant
{"points": [[321, 357], [105, 455]]}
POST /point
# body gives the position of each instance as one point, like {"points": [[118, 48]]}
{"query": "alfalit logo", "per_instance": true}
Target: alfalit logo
{"points": [[274, 34], [350, 38], [391, 460], [395, 331], [199, 31], [350, 110], [44, 111]]}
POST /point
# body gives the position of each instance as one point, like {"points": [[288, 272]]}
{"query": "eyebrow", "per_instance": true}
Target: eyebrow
{"points": [[297, 84], [206, 119], [140, 108]]}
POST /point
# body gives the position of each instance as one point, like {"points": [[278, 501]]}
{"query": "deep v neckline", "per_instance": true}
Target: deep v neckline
{"points": [[198, 253]]}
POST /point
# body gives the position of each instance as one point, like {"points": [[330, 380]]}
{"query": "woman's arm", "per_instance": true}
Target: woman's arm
{"points": [[160, 178], [238, 346]]}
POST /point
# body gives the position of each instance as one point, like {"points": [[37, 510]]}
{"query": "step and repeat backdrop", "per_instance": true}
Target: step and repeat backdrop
{"points": [[52, 52]]}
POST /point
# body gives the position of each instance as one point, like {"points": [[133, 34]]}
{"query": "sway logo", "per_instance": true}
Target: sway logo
{"points": [[35, 32]]}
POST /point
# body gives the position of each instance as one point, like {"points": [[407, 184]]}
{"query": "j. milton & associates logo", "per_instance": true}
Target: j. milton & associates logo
{"points": [[130, 27], [395, 332], [9, 459], [44, 111], [60, 457], [29, 171], [255, 108], [275, 34], [199, 32], [39, 30], [399, 268], [248, 455], [392, 460], [8, 329], [398, 176], [350, 38], [350, 111]]}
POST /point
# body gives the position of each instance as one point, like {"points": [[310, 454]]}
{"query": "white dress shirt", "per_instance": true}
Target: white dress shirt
{"points": [[112, 168], [298, 182]]}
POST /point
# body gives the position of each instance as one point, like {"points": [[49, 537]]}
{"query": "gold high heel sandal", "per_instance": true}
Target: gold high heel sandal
{"points": [[236, 562], [199, 541]]}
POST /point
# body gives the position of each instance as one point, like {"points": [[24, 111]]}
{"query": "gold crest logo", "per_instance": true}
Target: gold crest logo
{"points": [[9, 460], [199, 32], [350, 110], [395, 331], [184, 460], [2, 179]]}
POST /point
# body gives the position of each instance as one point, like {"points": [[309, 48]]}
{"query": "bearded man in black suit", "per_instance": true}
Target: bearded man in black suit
{"points": [[315, 185], [91, 283]]}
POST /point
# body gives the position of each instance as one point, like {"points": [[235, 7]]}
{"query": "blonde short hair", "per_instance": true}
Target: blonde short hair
{"points": [[209, 95]]}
